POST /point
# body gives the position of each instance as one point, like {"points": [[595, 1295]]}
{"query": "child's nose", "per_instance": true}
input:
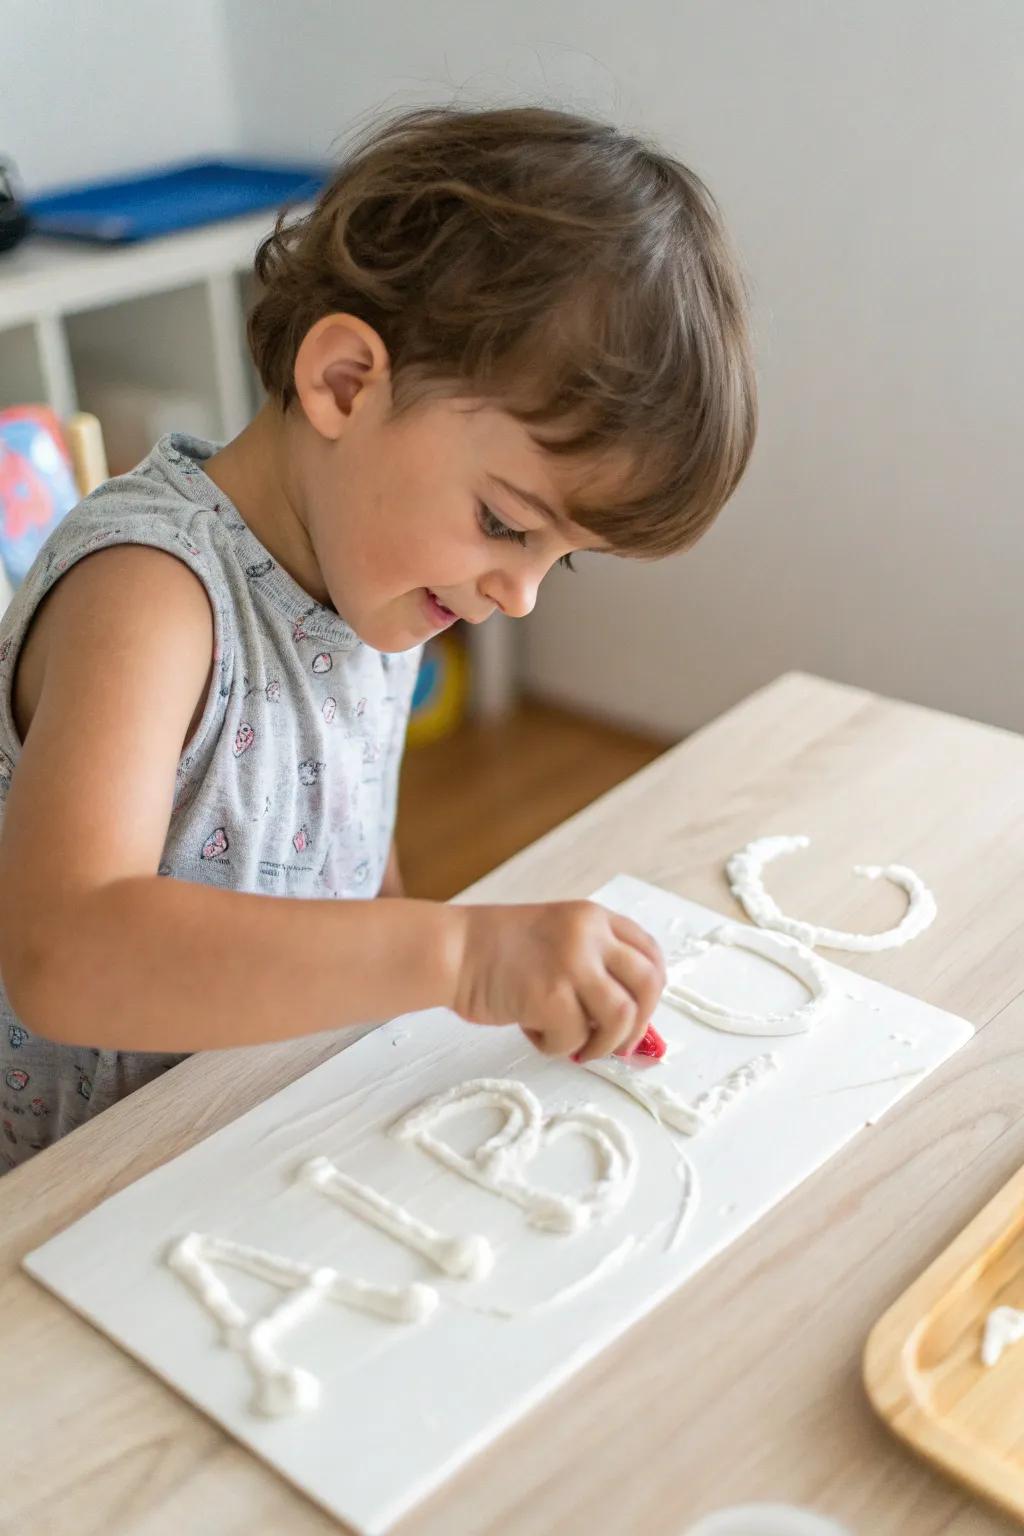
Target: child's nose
{"points": [[515, 593]]}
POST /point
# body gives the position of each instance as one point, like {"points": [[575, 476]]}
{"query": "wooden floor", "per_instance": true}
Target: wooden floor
{"points": [[470, 802]]}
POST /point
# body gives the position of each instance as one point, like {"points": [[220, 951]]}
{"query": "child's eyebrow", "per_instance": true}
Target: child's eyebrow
{"points": [[529, 499]]}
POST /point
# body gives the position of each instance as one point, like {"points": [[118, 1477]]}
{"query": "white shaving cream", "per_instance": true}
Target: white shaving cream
{"points": [[281, 1388], [499, 1163], [1003, 1326], [468, 1258], [668, 1106], [788, 953], [745, 871]]}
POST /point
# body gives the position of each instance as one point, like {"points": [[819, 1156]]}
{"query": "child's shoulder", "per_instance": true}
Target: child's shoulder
{"points": [[168, 485], [162, 505]]}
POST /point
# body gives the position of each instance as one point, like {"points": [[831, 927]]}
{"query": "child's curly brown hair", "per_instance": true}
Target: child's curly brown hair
{"points": [[547, 264]]}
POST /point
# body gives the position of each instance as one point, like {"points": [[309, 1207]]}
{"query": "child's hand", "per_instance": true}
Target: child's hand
{"points": [[574, 976]]}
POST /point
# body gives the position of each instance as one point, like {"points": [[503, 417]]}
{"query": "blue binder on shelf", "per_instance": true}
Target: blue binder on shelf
{"points": [[135, 208]]}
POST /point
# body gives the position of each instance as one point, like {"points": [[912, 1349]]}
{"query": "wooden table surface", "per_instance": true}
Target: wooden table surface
{"points": [[746, 1384]]}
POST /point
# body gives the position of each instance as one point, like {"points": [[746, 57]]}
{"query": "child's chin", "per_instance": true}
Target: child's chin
{"points": [[390, 639]]}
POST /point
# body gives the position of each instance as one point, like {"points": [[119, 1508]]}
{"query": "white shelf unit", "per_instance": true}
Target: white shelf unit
{"points": [[167, 315]]}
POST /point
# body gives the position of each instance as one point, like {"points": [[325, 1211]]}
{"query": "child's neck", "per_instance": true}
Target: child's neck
{"points": [[253, 472]]}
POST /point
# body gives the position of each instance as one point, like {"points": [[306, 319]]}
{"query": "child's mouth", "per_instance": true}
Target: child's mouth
{"points": [[440, 616]]}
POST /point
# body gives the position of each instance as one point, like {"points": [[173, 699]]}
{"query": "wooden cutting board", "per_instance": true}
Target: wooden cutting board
{"points": [[922, 1363]]}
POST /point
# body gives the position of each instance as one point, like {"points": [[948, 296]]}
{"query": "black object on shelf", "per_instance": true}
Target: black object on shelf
{"points": [[14, 219]]}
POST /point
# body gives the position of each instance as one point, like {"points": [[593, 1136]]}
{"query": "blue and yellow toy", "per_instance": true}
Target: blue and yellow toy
{"points": [[439, 702]]}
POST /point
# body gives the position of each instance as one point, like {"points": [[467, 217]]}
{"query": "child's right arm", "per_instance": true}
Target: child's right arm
{"points": [[97, 950]]}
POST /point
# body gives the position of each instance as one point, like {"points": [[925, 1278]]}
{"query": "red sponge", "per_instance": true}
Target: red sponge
{"points": [[651, 1045]]}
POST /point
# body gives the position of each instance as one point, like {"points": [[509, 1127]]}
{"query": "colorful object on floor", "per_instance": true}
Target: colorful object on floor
{"points": [[181, 197], [37, 484], [439, 702]]}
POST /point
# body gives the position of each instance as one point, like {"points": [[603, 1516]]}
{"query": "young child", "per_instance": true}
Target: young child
{"points": [[500, 337]]}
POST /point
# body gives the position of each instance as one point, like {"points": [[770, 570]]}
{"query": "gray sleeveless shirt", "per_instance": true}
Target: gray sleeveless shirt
{"points": [[289, 785]]}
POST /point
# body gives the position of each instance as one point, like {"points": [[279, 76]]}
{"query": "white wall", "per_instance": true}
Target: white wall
{"points": [[869, 157], [92, 88]]}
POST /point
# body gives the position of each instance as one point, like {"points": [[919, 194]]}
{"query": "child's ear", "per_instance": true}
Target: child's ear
{"points": [[338, 362]]}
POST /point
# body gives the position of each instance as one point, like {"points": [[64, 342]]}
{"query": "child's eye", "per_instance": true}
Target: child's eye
{"points": [[495, 528]]}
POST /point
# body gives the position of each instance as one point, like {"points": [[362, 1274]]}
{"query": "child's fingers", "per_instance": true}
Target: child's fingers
{"points": [[563, 1028], [631, 934], [629, 1045], [641, 977], [611, 1012]]}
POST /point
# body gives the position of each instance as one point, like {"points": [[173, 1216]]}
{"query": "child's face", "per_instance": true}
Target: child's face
{"points": [[414, 520]]}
